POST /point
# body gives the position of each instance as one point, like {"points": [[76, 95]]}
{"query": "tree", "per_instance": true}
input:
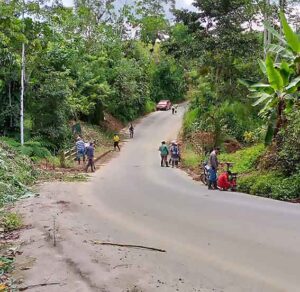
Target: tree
{"points": [[281, 92]]}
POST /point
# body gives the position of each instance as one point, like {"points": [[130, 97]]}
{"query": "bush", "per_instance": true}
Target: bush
{"points": [[190, 118], [11, 221], [272, 184], [33, 149], [244, 160], [236, 119], [149, 106]]}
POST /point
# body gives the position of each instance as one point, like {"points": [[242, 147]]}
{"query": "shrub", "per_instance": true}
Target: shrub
{"points": [[189, 120], [149, 106], [11, 221], [244, 160], [271, 184], [33, 149]]}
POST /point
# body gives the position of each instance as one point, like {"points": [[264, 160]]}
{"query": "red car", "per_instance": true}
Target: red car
{"points": [[164, 105]]}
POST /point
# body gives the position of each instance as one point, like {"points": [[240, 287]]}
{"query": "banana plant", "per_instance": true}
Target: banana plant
{"points": [[277, 96]]}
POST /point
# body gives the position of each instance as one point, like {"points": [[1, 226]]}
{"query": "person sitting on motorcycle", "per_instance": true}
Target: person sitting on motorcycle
{"points": [[224, 183]]}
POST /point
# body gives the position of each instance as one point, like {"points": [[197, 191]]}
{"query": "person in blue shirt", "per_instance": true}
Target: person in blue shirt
{"points": [[80, 149]]}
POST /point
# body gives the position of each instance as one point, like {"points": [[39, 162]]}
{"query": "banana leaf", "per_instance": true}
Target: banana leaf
{"points": [[292, 38]]}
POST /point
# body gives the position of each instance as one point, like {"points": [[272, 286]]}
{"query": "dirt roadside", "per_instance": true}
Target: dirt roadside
{"points": [[57, 250]]}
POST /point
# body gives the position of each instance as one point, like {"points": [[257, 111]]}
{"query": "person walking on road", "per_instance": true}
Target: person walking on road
{"points": [[80, 149], [213, 164], [164, 152], [90, 152], [116, 142]]}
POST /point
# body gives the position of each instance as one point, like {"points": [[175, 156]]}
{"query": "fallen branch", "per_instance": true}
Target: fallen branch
{"points": [[128, 245], [37, 285]]}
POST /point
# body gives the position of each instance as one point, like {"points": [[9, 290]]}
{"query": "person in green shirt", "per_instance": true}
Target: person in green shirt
{"points": [[164, 152]]}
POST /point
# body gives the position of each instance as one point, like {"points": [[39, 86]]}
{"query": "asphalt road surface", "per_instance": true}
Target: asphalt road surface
{"points": [[215, 241]]}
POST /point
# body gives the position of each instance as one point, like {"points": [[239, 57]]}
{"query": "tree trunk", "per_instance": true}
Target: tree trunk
{"points": [[280, 117], [10, 105], [267, 34]]}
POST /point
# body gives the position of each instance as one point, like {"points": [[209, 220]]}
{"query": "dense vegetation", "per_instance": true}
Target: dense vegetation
{"points": [[80, 63], [227, 57]]}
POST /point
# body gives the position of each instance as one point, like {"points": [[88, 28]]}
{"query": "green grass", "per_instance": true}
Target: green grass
{"points": [[244, 160], [190, 118], [190, 158], [10, 221]]}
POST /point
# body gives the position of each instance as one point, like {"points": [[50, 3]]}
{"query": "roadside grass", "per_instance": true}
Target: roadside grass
{"points": [[10, 221], [190, 159], [271, 184]]}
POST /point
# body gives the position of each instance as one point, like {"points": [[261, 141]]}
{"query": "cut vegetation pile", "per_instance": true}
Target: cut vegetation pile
{"points": [[16, 172]]}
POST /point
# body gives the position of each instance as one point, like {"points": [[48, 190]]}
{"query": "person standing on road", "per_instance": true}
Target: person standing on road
{"points": [[213, 164], [164, 152], [116, 142], [90, 152], [80, 149], [174, 150], [131, 130], [173, 109]]}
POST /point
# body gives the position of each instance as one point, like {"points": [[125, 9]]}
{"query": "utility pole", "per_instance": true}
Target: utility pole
{"points": [[267, 33], [282, 5], [22, 83]]}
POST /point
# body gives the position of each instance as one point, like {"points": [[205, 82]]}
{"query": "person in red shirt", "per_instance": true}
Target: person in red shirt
{"points": [[224, 183]]}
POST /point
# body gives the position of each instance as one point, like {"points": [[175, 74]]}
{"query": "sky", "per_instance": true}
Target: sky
{"points": [[180, 3]]}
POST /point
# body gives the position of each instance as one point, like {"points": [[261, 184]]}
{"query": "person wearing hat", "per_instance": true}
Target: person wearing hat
{"points": [[80, 149], [213, 164], [90, 152], [164, 152], [174, 150]]}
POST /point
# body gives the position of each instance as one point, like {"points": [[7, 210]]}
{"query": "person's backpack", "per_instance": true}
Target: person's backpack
{"points": [[174, 150]]}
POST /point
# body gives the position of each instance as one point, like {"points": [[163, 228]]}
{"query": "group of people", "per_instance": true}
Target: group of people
{"points": [[172, 150], [223, 181], [85, 150]]}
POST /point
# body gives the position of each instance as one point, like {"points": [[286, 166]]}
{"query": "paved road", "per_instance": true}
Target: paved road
{"points": [[233, 242], [215, 241]]}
